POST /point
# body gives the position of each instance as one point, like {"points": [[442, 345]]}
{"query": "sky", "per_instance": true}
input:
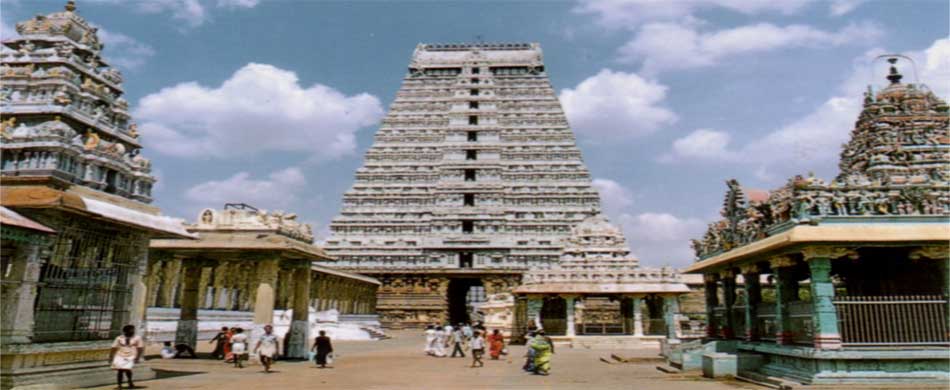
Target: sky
{"points": [[274, 102]]}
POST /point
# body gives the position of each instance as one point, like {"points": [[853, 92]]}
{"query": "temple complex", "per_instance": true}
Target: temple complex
{"points": [[597, 288], [252, 261], [76, 219], [473, 179], [859, 264]]}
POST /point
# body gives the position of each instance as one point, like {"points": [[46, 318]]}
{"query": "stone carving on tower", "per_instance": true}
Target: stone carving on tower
{"points": [[64, 117], [473, 172]]}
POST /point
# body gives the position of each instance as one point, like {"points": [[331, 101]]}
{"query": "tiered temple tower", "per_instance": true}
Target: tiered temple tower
{"points": [[474, 178], [71, 166]]}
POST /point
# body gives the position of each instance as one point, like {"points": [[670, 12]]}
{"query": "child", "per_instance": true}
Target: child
{"points": [[126, 351], [167, 351]]}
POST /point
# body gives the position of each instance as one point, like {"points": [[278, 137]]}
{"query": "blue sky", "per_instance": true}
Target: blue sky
{"points": [[274, 102]]}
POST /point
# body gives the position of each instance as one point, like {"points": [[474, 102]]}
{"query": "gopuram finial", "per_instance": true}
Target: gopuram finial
{"points": [[70, 6], [894, 76]]}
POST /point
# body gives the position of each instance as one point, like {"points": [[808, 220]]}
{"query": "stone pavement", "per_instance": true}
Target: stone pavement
{"points": [[399, 363]]}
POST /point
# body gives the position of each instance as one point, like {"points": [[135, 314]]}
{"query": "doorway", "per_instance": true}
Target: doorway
{"points": [[463, 294]]}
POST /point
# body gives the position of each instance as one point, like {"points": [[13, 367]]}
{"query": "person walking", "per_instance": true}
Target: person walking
{"points": [[126, 351], [543, 348], [478, 349], [438, 348], [467, 331], [529, 353], [458, 341], [221, 340], [267, 347], [496, 344], [430, 340], [239, 347], [322, 347]]}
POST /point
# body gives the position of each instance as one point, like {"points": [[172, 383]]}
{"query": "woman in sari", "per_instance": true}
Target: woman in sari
{"points": [[543, 349], [496, 344]]}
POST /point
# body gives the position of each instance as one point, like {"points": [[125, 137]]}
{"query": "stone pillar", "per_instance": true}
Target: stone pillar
{"points": [[729, 295], [264, 299], [300, 325], [170, 278], [824, 314], [672, 306], [17, 319], [637, 315], [753, 293], [140, 293], [712, 301], [569, 308], [786, 290], [535, 303], [187, 331]]}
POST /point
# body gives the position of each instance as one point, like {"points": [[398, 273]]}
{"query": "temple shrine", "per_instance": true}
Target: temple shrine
{"points": [[243, 265], [598, 289], [859, 264], [76, 219]]}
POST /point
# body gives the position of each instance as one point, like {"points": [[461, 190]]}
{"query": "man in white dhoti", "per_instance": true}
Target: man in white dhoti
{"points": [[439, 343], [430, 339]]}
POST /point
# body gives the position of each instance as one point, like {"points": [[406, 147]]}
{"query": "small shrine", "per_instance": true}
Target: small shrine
{"points": [[597, 288], [250, 260], [859, 265]]}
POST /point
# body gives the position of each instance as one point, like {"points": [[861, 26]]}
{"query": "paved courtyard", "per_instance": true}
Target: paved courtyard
{"points": [[399, 363]]}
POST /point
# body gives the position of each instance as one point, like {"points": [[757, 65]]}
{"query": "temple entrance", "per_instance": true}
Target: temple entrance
{"points": [[463, 293], [554, 316]]}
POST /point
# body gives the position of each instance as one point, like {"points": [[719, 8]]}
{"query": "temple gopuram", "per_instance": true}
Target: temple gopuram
{"points": [[598, 289], [859, 264], [76, 219], [474, 178]]}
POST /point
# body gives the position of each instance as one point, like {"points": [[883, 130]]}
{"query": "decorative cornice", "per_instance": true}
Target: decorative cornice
{"points": [[933, 252], [753, 268], [782, 261], [828, 252]]}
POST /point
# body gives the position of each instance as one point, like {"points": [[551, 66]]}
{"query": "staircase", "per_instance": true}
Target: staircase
{"points": [[374, 332]]}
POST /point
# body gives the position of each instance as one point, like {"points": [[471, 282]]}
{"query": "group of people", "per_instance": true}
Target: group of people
{"points": [[231, 344], [440, 338]]}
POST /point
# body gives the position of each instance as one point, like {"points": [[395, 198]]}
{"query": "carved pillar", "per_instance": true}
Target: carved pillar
{"points": [[827, 335], [569, 308], [139, 281], [712, 301], [170, 275], [753, 292], [187, 331], [636, 303], [786, 290], [729, 295], [535, 303], [672, 305], [300, 325], [17, 320], [219, 282], [203, 283]]}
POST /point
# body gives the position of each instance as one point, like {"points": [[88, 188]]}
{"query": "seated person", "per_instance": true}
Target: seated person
{"points": [[167, 351], [178, 352]]}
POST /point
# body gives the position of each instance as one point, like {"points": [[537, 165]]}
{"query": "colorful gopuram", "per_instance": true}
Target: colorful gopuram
{"points": [[74, 179], [859, 264]]}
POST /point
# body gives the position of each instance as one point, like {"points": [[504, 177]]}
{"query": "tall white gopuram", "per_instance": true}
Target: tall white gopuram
{"points": [[474, 178]]}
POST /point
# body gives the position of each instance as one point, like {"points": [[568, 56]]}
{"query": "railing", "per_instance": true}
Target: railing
{"points": [[738, 321], [888, 320], [602, 328], [801, 322], [765, 321]]}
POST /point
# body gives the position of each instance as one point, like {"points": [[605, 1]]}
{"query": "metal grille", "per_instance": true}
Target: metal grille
{"points": [[801, 322], [84, 287], [884, 320]]}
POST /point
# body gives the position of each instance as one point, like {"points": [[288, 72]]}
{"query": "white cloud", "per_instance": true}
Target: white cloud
{"points": [[238, 3], [701, 144], [629, 14], [661, 238], [654, 47], [815, 139], [616, 104], [260, 108], [278, 191], [124, 51], [614, 197], [842, 7]]}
